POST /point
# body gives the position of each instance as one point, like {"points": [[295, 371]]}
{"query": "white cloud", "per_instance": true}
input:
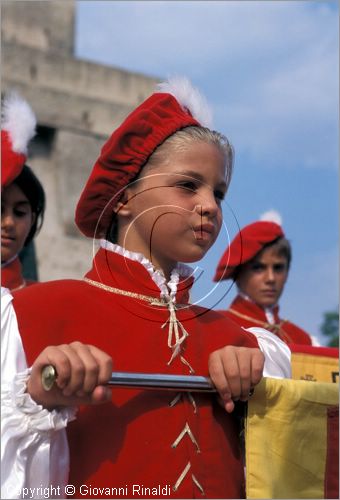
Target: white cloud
{"points": [[270, 69]]}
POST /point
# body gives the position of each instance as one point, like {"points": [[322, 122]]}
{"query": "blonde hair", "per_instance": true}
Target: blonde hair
{"points": [[182, 139]]}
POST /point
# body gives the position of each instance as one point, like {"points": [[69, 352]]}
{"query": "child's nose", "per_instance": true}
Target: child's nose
{"points": [[209, 206], [270, 275], [7, 219]]}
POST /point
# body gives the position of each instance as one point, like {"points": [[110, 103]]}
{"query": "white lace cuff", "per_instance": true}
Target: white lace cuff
{"points": [[34, 449], [34, 415]]}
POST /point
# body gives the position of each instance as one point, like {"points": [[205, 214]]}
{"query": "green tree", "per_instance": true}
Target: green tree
{"points": [[330, 328]]}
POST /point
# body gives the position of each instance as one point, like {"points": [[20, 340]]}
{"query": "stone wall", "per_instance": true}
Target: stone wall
{"points": [[78, 104]]}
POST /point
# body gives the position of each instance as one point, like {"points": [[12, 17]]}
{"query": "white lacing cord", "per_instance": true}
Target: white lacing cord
{"points": [[182, 476], [186, 430], [176, 334]]}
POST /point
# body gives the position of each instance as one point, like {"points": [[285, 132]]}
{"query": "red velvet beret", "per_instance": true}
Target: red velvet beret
{"points": [[248, 242], [127, 151], [18, 124]]}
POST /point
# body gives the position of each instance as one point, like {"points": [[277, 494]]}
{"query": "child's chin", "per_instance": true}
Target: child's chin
{"points": [[198, 255]]}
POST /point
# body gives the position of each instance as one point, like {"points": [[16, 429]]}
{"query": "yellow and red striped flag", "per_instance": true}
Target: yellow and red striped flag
{"points": [[316, 364], [292, 440]]}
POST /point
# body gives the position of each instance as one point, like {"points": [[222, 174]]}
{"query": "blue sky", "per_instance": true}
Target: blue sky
{"points": [[270, 72]]}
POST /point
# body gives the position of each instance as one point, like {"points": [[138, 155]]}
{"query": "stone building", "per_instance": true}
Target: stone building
{"points": [[77, 104]]}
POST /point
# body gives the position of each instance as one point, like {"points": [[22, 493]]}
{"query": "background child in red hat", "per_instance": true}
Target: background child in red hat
{"points": [[258, 260], [30, 445], [22, 195], [155, 195]]}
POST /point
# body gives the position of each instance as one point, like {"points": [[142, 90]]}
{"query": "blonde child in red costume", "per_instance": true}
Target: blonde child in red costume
{"points": [[155, 195]]}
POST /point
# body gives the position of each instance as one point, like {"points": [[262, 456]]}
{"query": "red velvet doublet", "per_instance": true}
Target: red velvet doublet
{"points": [[247, 314], [147, 438], [11, 276]]}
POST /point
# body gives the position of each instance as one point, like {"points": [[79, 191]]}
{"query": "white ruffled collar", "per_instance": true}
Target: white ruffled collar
{"points": [[157, 275]]}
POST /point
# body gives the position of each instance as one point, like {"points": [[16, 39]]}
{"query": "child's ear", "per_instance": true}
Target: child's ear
{"points": [[122, 207]]}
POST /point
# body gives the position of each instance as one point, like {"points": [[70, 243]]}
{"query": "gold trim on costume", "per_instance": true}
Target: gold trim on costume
{"points": [[126, 293], [276, 328], [23, 284], [176, 329]]}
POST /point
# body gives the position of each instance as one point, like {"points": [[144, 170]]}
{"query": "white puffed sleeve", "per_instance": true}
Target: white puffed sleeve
{"points": [[277, 354], [34, 449], [13, 358], [315, 341]]}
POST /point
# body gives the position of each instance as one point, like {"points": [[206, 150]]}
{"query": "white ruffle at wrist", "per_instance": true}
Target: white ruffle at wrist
{"points": [[34, 449], [35, 417]]}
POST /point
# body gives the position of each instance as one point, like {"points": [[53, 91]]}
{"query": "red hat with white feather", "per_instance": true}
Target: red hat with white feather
{"points": [[249, 242], [174, 106], [18, 124]]}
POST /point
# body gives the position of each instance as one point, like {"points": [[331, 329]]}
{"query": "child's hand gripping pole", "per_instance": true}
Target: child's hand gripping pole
{"points": [[70, 375]]}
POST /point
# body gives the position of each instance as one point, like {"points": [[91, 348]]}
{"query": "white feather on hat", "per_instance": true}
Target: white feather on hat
{"points": [[189, 98], [18, 119], [272, 216]]}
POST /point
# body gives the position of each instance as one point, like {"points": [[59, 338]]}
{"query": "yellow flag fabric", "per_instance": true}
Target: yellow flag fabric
{"points": [[314, 368], [286, 438]]}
